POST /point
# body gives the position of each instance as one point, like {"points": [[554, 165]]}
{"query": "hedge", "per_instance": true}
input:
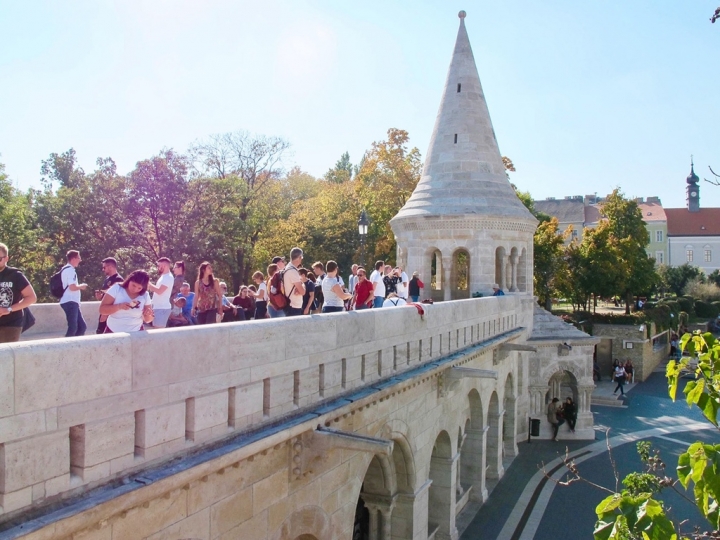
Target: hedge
{"points": [[686, 304], [706, 310]]}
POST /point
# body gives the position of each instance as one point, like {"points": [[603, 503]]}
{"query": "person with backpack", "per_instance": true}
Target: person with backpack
{"points": [[71, 295], [109, 268], [293, 286], [414, 287], [276, 300], [16, 294]]}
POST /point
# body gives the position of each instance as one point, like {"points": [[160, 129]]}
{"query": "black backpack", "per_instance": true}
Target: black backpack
{"points": [[56, 285]]}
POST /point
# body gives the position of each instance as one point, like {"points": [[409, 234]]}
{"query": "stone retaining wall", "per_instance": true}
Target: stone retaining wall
{"points": [[77, 412]]}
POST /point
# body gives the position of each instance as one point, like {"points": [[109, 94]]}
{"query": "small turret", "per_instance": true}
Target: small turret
{"points": [[693, 190]]}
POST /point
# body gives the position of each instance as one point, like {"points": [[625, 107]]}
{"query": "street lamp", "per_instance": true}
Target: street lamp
{"points": [[363, 223]]}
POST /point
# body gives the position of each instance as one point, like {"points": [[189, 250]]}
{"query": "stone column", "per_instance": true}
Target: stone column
{"points": [[513, 270], [447, 285], [374, 521], [410, 516], [472, 467], [495, 447], [510, 429], [503, 265], [442, 497]]}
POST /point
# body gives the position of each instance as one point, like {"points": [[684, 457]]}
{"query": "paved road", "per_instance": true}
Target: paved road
{"points": [[526, 506]]}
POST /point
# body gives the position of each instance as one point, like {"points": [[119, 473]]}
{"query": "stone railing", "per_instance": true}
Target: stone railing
{"points": [[77, 412], [50, 320]]}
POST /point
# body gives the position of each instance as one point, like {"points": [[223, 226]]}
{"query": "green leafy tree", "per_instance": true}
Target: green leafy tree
{"points": [[549, 260], [629, 239], [342, 172], [676, 278]]}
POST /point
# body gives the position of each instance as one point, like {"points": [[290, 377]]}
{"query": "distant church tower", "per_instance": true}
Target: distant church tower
{"points": [[693, 190], [463, 228]]}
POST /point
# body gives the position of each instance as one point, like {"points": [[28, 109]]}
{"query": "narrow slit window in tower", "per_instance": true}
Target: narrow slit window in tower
{"points": [[458, 88], [456, 138]]}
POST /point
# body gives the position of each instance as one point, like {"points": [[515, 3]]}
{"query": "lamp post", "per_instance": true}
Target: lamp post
{"points": [[363, 223]]}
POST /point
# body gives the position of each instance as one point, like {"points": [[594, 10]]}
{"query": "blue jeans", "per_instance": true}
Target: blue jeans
{"points": [[378, 301], [75, 321], [274, 312], [332, 309], [294, 312], [358, 307], [415, 299]]}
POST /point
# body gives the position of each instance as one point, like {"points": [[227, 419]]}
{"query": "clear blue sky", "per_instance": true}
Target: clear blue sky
{"points": [[584, 96]]}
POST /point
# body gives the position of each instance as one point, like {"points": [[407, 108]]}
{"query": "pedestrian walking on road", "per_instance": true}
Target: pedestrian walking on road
{"points": [[620, 380], [552, 415]]}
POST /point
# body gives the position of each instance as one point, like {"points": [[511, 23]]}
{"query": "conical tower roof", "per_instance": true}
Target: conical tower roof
{"points": [[464, 173]]}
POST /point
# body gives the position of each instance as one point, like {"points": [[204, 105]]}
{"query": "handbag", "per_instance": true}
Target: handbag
{"points": [[28, 320]]}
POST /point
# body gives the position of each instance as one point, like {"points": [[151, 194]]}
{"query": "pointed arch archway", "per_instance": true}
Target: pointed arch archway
{"points": [[460, 274], [442, 496], [434, 287]]}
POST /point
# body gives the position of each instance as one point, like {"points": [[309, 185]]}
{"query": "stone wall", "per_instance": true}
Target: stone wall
{"points": [[50, 320], [77, 412], [643, 355]]}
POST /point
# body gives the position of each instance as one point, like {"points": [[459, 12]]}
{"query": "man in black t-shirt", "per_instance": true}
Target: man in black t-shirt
{"points": [[16, 293], [109, 268]]}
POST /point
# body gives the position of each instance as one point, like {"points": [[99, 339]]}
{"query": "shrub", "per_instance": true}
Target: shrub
{"points": [[673, 305], [649, 305], [660, 315], [707, 292], [706, 310], [686, 304], [684, 318]]}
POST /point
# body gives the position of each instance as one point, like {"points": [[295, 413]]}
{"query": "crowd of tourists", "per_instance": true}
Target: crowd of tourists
{"points": [[136, 302]]}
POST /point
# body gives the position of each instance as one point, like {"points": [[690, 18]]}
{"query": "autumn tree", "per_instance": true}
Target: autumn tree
{"points": [[342, 171], [389, 172], [246, 166]]}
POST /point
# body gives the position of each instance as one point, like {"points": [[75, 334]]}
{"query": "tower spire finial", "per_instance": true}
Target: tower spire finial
{"points": [[462, 14]]}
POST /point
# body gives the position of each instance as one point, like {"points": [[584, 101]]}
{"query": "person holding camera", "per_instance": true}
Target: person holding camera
{"points": [[127, 304]]}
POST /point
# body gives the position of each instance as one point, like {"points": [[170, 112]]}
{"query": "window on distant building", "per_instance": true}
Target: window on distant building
{"points": [[574, 234], [660, 257], [708, 255], [689, 254], [658, 236]]}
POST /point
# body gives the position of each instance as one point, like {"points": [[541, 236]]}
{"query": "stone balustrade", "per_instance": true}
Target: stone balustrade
{"points": [[77, 412], [50, 320]]}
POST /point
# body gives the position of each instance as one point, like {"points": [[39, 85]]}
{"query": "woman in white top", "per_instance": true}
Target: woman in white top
{"points": [[127, 304], [261, 296], [332, 290]]}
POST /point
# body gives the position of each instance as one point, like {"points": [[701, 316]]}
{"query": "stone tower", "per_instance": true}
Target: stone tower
{"points": [[463, 228], [693, 190]]}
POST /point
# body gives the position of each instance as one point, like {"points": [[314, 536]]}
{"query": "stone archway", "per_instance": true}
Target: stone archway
{"points": [[472, 463], [561, 385], [374, 507], [441, 496], [460, 274], [307, 523], [435, 285]]}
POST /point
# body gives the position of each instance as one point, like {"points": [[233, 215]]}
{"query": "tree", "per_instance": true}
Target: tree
{"points": [[248, 166], [388, 175], [715, 16], [549, 261], [676, 278], [630, 237], [342, 172]]}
